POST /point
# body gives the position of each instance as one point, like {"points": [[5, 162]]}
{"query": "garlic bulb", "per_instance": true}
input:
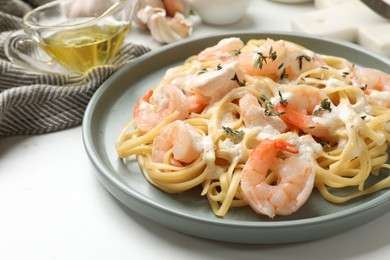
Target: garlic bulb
{"points": [[163, 28]]}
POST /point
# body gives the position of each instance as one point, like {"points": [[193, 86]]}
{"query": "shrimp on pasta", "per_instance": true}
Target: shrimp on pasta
{"points": [[294, 179], [180, 138], [375, 83], [157, 104], [225, 51], [262, 124], [278, 60], [302, 104]]}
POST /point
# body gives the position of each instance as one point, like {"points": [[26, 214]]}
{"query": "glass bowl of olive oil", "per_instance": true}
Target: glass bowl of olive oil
{"points": [[75, 36]]}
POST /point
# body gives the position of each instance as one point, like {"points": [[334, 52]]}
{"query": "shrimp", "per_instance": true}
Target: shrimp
{"points": [[204, 86], [264, 59], [295, 179], [278, 60], [182, 138], [370, 79], [375, 83], [214, 85], [299, 109], [225, 51], [254, 115], [179, 76], [155, 105], [197, 103]]}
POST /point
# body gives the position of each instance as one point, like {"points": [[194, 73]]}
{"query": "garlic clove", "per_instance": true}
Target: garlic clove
{"points": [[174, 6], [180, 26], [139, 17], [166, 29]]}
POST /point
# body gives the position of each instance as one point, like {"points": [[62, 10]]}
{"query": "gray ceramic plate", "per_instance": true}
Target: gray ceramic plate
{"points": [[111, 108]]}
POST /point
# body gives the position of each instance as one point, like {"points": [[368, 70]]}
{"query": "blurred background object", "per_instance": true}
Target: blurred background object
{"points": [[349, 20], [220, 12]]}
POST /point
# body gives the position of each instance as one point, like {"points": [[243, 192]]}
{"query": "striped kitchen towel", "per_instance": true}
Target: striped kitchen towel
{"points": [[36, 103]]}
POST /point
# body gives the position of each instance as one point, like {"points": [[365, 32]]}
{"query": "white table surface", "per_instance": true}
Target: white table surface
{"points": [[52, 206]]}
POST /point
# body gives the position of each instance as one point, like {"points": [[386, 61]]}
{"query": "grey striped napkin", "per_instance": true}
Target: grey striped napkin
{"points": [[36, 103]]}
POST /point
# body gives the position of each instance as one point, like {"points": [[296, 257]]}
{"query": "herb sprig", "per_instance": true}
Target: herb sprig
{"points": [[263, 58], [284, 75], [202, 71], [265, 102], [232, 132], [240, 83], [300, 59], [325, 105]]}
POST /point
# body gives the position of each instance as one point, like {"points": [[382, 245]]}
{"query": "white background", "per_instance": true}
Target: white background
{"points": [[53, 207]]}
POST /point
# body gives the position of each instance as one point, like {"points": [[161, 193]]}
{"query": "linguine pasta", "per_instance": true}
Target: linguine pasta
{"points": [[231, 96]]}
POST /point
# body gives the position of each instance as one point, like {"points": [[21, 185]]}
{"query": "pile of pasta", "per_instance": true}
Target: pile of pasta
{"points": [[233, 95]]}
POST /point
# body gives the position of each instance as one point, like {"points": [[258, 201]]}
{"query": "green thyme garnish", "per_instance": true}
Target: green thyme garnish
{"points": [[202, 71], [240, 83], [263, 58], [237, 52], [232, 132], [282, 100], [219, 67], [325, 105], [324, 143], [284, 75], [300, 59], [268, 112], [264, 101]]}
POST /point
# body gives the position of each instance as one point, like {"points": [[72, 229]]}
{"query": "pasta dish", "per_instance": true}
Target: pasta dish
{"points": [[262, 124]]}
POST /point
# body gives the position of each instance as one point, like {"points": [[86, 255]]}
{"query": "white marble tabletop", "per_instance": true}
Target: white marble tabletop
{"points": [[52, 206]]}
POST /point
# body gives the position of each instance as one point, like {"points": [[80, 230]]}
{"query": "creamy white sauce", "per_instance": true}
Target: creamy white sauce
{"points": [[160, 98], [334, 83], [214, 82], [362, 107], [308, 148], [228, 147], [339, 118], [266, 132], [345, 112], [380, 97], [228, 118], [208, 149], [216, 171], [196, 141], [331, 119]]}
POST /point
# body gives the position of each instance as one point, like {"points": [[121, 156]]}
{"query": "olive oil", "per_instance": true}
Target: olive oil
{"points": [[82, 49]]}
